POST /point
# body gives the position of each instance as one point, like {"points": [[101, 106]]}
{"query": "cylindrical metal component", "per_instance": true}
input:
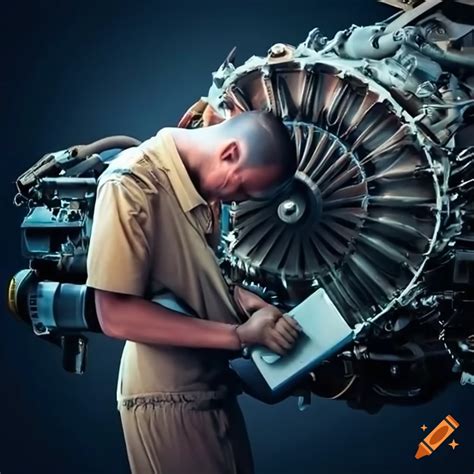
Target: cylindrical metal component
{"points": [[51, 306]]}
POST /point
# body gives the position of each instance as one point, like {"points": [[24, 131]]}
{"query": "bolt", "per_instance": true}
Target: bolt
{"points": [[277, 49], [40, 327], [218, 81], [289, 208]]}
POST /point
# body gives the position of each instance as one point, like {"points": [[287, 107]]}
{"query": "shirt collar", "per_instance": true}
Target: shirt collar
{"points": [[183, 187]]}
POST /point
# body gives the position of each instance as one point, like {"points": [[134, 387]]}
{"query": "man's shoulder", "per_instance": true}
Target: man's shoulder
{"points": [[125, 162], [157, 146], [144, 164], [132, 171]]}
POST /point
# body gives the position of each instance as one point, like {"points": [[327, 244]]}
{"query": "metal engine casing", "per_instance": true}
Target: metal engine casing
{"points": [[381, 212]]}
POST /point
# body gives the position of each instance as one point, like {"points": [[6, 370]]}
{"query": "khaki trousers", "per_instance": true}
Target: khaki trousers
{"points": [[185, 433]]}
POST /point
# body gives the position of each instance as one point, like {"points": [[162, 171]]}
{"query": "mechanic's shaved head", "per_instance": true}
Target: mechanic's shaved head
{"points": [[253, 156], [267, 140], [249, 156]]}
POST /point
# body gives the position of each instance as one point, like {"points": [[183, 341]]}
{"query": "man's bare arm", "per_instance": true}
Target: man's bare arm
{"points": [[136, 319]]}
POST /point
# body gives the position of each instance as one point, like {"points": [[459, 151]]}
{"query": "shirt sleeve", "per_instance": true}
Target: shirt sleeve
{"points": [[118, 258]]}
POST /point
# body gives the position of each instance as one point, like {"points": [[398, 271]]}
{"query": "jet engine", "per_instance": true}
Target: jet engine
{"points": [[380, 214]]}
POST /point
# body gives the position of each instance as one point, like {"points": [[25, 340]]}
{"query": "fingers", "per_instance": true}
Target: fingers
{"points": [[280, 331], [293, 322], [287, 325], [281, 341], [287, 334]]}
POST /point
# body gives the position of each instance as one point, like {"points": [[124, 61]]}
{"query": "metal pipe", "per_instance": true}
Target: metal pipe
{"points": [[117, 141]]}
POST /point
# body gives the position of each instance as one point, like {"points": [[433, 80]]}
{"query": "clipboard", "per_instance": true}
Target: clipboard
{"points": [[325, 332]]}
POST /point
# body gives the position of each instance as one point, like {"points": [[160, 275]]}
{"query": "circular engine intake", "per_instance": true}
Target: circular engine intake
{"points": [[364, 210]]}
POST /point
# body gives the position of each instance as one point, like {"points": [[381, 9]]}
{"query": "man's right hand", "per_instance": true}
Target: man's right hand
{"points": [[270, 328]]}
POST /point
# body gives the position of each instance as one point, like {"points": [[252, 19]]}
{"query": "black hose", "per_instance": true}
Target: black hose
{"points": [[375, 356], [447, 57]]}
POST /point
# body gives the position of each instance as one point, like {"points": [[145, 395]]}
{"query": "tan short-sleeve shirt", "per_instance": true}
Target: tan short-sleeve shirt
{"points": [[149, 232]]}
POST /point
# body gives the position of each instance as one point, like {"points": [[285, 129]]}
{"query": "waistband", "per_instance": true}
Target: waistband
{"points": [[193, 400]]}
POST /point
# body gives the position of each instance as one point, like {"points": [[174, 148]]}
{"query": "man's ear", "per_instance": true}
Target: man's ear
{"points": [[231, 152]]}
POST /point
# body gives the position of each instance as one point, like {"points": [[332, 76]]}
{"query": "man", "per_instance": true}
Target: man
{"points": [[152, 220]]}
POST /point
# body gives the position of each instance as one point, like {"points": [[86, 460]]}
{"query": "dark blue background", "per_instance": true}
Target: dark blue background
{"points": [[72, 72]]}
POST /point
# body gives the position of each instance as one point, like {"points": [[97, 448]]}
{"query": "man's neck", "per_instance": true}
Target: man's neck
{"points": [[190, 148]]}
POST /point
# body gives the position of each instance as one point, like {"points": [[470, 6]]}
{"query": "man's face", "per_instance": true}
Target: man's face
{"points": [[249, 183], [229, 179]]}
